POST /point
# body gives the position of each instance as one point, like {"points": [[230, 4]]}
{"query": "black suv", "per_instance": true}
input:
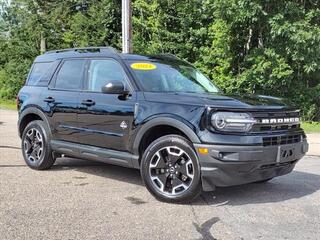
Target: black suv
{"points": [[158, 114]]}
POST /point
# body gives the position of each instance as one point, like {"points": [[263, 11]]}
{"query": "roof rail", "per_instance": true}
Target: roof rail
{"points": [[88, 49]]}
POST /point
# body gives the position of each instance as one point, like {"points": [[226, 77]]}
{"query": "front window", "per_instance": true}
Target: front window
{"points": [[170, 76], [102, 71]]}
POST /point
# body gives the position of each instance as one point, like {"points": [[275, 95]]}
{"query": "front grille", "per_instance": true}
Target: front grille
{"points": [[260, 126], [282, 140], [277, 127]]}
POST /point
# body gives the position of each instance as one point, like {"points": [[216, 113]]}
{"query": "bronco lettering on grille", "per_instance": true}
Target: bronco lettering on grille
{"points": [[280, 120]]}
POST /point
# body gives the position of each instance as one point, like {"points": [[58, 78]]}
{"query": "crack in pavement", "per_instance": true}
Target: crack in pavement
{"points": [[10, 147], [8, 166], [204, 228]]}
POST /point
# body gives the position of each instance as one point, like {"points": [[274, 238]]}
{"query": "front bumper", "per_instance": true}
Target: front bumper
{"points": [[228, 165]]}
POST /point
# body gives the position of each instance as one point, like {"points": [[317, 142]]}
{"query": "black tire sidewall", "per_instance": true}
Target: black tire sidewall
{"points": [[171, 140], [47, 157]]}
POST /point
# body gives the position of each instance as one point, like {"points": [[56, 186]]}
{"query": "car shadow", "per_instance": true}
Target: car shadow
{"points": [[292, 186], [99, 169]]}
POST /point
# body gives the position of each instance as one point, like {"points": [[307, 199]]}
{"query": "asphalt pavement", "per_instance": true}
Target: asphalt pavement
{"points": [[80, 199]]}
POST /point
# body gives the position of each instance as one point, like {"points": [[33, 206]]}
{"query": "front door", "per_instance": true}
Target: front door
{"points": [[105, 120]]}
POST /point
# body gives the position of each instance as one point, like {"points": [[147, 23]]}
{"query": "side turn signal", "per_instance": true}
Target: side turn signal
{"points": [[203, 151]]}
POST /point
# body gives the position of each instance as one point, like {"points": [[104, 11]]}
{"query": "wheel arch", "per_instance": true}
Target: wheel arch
{"points": [[168, 123], [28, 115]]}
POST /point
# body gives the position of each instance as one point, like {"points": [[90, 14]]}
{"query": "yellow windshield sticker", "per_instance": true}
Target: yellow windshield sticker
{"points": [[143, 66]]}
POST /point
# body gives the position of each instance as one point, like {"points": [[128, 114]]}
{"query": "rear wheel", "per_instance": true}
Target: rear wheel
{"points": [[170, 169], [35, 146]]}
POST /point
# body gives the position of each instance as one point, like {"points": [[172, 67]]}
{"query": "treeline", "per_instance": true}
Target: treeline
{"points": [[268, 47]]}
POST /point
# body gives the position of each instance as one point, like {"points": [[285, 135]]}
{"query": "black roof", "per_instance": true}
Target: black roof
{"points": [[97, 52]]}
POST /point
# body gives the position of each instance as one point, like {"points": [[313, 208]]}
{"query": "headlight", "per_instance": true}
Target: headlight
{"points": [[232, 121]]}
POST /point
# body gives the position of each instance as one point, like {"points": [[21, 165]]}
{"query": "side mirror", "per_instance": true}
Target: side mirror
{"points": [[114, 87]]}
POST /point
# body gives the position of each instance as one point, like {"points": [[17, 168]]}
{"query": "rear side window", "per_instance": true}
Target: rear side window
{"points": [[70, 75], [41, 73]]}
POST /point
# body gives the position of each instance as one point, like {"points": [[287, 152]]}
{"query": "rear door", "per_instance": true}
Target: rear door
{"points": [[62, 98], [105, 120]]}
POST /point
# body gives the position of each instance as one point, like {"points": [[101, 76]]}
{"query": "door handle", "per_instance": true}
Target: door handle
{"points": [[88, 102], [49, 100]]}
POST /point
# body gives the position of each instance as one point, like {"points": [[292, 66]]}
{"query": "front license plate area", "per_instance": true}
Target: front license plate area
{"points": [[286, 153]]}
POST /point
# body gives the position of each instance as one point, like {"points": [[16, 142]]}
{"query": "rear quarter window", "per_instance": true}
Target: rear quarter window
{"points": [[41, 73]]}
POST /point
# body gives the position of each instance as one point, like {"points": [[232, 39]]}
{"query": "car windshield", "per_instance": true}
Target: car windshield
{"points": [[170, 76]]}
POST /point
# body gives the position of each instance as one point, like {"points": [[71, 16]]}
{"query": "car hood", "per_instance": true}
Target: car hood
{"points": [[218, 100]]}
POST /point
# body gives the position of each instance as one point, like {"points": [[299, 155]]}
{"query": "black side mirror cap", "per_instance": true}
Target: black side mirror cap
{"points": [[114, 87]]}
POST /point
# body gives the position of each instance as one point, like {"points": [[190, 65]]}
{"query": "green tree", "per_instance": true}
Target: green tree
{"points": [[247, 46]]}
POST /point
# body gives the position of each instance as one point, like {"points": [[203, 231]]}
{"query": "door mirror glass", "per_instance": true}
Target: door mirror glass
{"points": [[114, 87]]}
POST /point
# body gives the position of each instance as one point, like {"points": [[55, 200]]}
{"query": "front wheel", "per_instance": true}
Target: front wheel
{"points": [[170, 169]]}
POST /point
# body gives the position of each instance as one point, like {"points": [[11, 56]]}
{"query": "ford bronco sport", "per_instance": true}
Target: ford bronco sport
{"points": [[158, 114]]}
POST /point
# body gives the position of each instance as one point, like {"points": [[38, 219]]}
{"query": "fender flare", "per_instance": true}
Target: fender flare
{"points": [[182, 125], [32, 110]]}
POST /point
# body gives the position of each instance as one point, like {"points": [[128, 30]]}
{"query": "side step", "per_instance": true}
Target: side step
{"points": [[82, 151]]}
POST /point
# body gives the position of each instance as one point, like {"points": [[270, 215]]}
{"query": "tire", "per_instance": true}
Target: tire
{"points": [[170, 170], [264, 181], [35, 146]]}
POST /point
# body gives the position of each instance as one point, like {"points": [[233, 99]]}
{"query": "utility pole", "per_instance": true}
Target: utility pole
{"points": [[126, 26], [42, 44]]}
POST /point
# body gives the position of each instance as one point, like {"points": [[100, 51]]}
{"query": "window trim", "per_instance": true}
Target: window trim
{"points": [[86, 77], [52, 84]]}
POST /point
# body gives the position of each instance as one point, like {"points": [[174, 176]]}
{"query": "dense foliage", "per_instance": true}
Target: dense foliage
{"points": [[268, 47]]}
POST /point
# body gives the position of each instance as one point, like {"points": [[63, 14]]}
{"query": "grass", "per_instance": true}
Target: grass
{"points": [[8, 104], [311, 127]]}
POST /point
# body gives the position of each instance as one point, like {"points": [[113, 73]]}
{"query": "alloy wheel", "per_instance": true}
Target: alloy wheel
{"points": [[33, 145], [171, 170]]}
